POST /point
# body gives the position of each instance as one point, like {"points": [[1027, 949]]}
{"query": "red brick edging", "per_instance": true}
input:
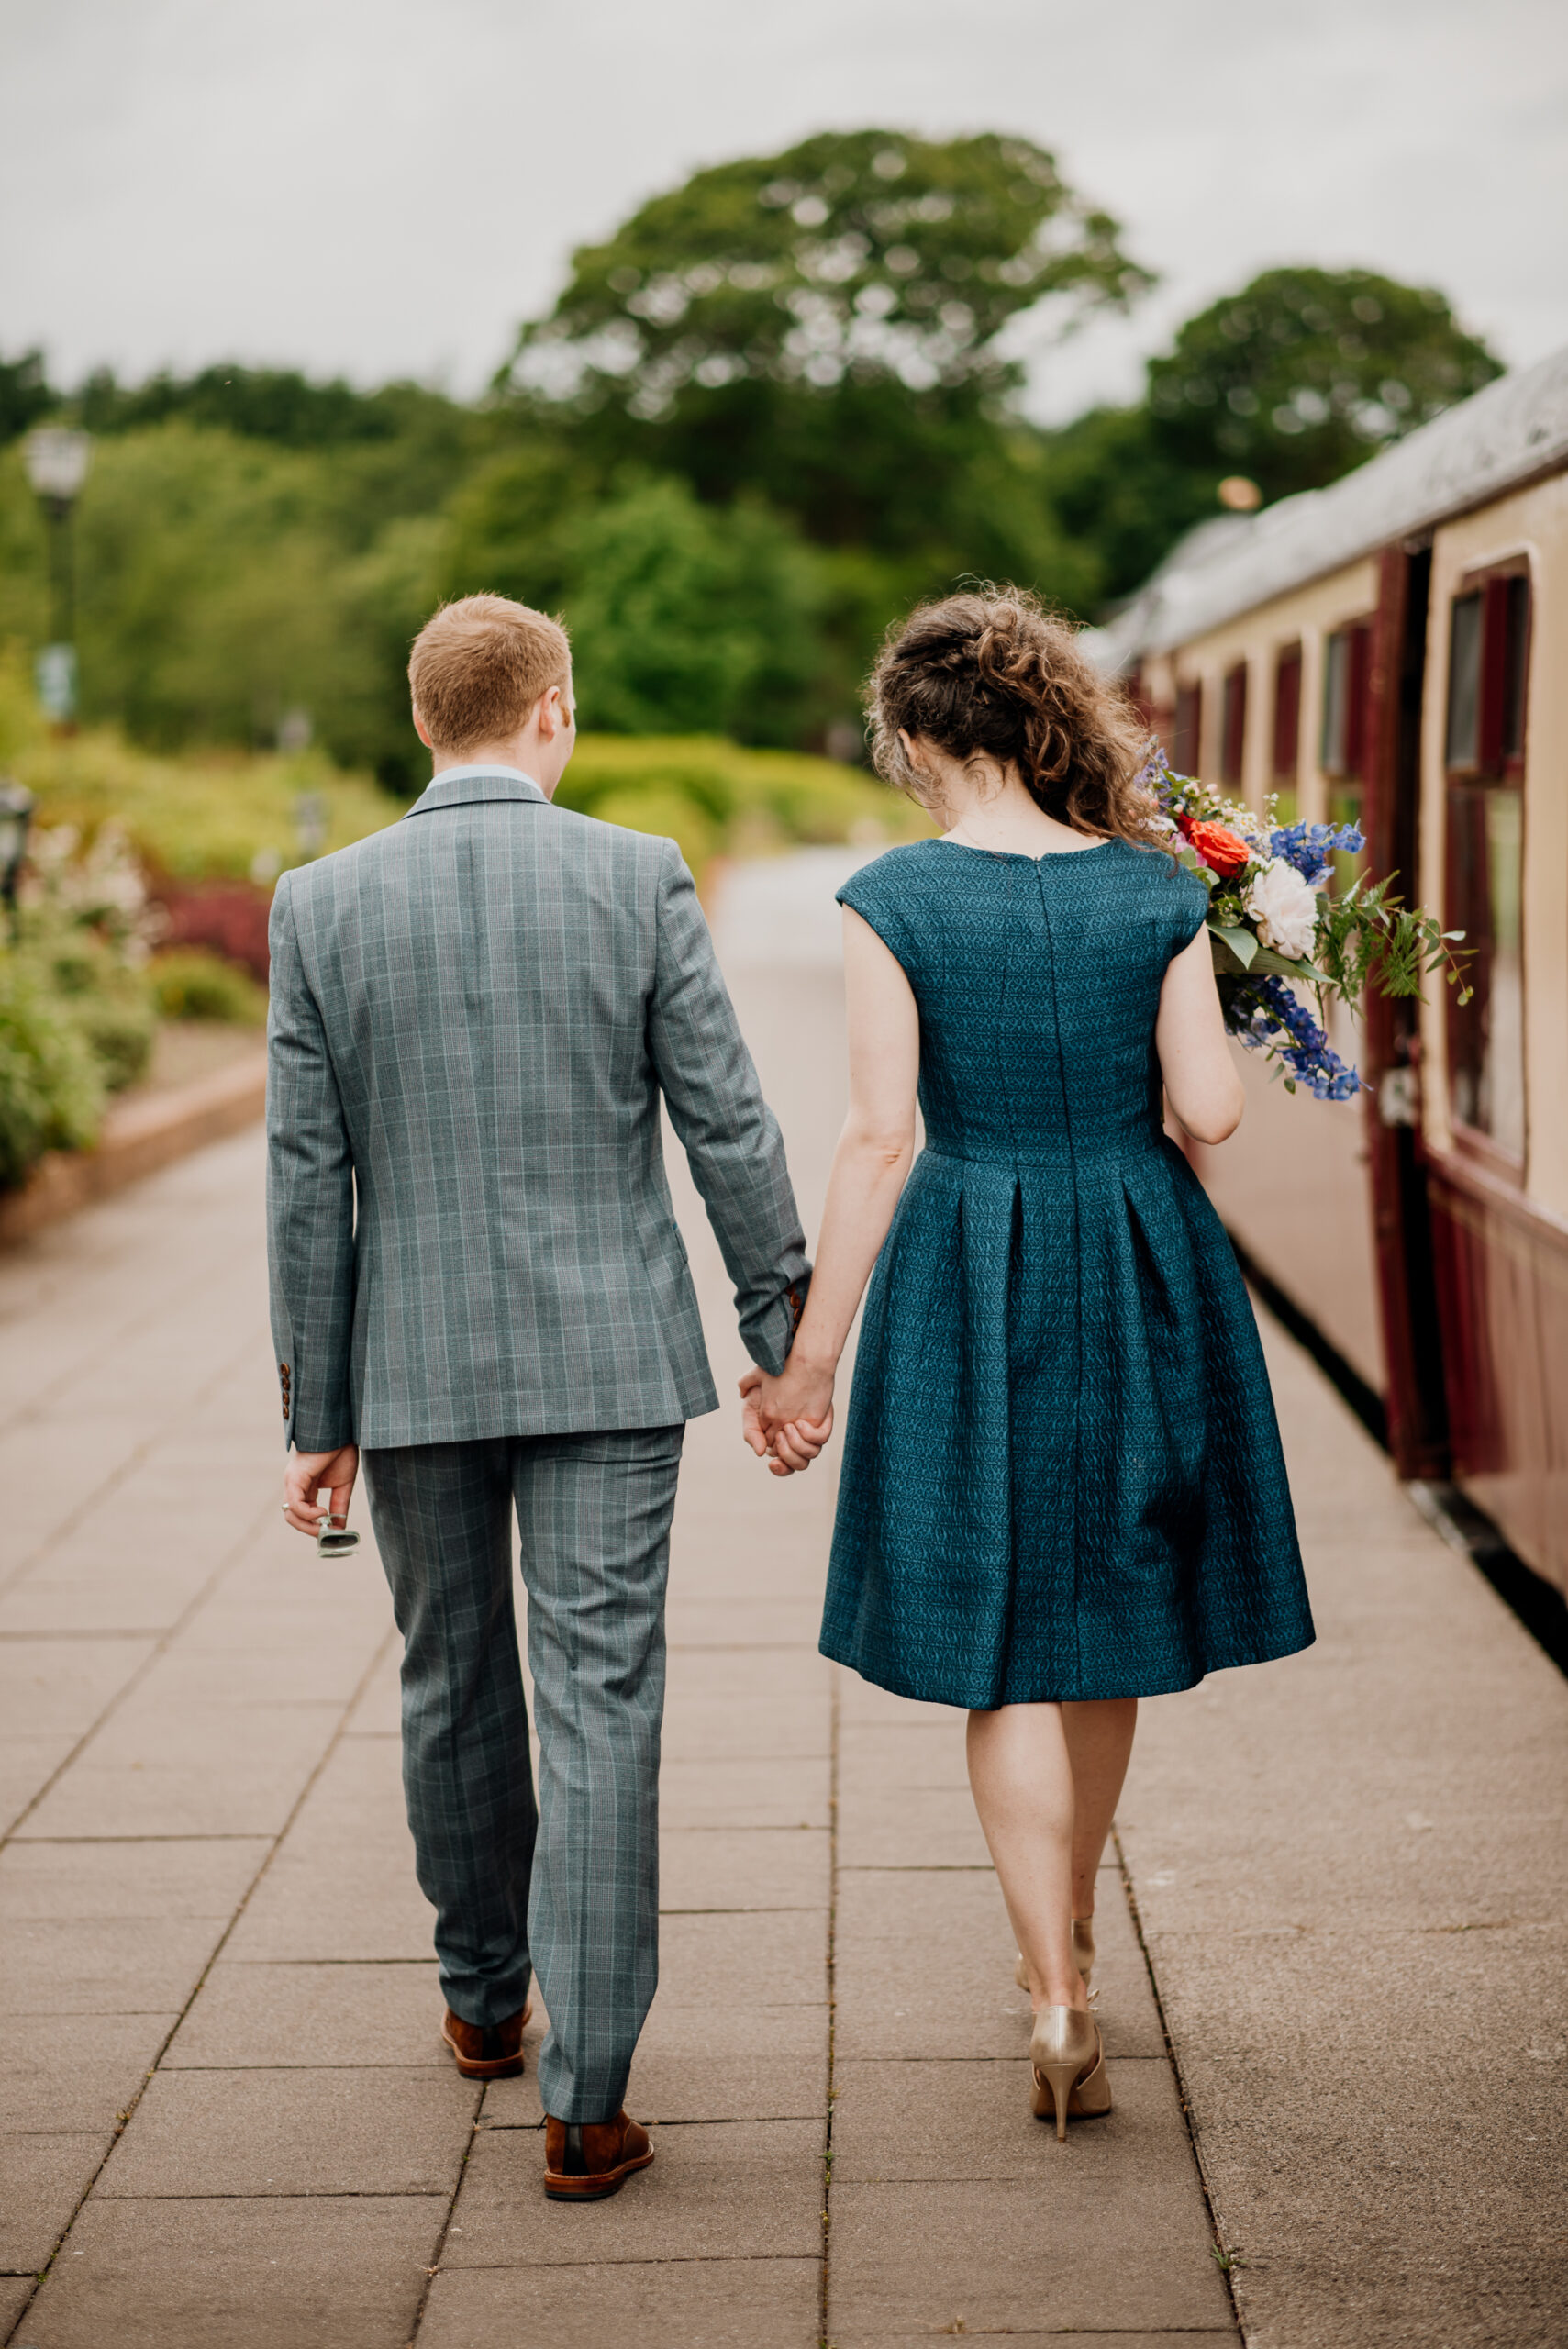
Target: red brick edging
{"points": [[137, 1137]]}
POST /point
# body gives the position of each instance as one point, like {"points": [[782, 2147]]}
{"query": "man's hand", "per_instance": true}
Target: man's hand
{"points": [[786, 1421], [309, 1472]]}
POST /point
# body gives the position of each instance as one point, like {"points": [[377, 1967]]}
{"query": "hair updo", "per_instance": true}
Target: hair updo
{"points": [[994, 674]]}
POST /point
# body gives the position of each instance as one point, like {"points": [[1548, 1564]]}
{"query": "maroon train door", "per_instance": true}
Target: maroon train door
{"points": [[1417, 1417]]}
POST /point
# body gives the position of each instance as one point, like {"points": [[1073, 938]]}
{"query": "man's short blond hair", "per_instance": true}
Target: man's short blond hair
{"points": [[478, 665]]}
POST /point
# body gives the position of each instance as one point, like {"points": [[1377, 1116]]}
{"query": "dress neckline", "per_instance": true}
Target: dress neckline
{"points": [[1018, 856]]}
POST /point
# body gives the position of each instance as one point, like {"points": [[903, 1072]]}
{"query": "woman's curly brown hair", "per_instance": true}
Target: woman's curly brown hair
{"points": [[994, 674]]}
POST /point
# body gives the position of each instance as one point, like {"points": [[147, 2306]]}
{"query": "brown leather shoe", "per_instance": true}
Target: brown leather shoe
{"points": [[491, 2051], [587, 2160]]}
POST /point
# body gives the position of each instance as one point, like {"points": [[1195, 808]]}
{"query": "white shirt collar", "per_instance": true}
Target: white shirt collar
{"points": [[483, 766]]}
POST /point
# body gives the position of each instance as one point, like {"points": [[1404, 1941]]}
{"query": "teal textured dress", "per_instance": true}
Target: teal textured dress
{"points": [[1062, 1474]]}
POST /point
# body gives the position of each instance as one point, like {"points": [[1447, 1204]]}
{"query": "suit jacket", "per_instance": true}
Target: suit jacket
{"points": [[473, 1015]]}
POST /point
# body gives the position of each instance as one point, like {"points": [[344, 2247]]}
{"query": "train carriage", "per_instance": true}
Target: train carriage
{"points": [[1392, 649]]}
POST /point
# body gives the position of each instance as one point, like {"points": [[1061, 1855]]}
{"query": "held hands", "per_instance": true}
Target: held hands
{"points": [[310, 1472], [787, 1421]]}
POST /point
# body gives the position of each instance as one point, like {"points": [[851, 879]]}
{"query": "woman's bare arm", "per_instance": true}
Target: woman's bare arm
{"points": [[870, 1167], [1202, 1085]]}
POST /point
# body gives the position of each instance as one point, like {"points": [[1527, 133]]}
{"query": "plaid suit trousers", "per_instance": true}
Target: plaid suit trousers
{"points": [[568, 1888]]}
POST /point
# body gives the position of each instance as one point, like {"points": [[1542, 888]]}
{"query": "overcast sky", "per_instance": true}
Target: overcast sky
{"points": [[384, 187]]}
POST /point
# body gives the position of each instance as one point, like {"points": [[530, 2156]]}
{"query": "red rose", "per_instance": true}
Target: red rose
{"points": [[1223, 850]]}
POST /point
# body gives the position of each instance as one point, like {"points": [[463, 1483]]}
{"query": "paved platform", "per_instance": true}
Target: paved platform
{"points": [[1333, 1971]]}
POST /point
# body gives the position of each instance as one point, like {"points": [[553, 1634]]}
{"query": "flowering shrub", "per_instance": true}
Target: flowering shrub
{"points": [[1275, 926], [77, 1012]]}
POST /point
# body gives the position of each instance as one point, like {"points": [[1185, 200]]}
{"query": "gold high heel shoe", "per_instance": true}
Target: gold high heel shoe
{"points": [[1069, 2067], [1082, 1954]]}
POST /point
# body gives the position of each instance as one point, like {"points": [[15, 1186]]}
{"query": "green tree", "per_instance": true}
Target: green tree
{"points": [[1307, 373], [822, 326], [684, 618], [25, 394], [1122, 499], [207, 602], [1293, 381]]}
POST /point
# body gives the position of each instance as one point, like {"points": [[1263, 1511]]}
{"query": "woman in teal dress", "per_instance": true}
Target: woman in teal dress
{"points": [[1063, 1487]]}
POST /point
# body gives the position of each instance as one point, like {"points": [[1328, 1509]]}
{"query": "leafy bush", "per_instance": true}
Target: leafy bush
{"points": [[109, 1002], [187, 983], [77, 1016], [86, 926], [212, 814], [223, 816], [713, 796], [51, 1088]]}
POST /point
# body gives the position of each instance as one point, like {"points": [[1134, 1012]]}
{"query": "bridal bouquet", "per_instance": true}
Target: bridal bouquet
{"points": [[1275, 925]]}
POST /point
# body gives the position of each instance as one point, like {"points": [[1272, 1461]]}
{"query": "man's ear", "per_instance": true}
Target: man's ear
{"points": [[552, 711], [422, 731]]}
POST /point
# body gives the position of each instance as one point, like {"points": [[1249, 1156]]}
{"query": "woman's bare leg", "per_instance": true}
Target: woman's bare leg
{"points": [[1099, 1745], [1021, 1777]]}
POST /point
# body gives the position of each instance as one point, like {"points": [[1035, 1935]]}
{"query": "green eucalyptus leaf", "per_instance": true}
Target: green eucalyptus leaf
{"points": [[1265, 962], [1235, 949]]}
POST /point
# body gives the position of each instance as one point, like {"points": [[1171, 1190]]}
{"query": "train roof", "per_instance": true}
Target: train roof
{"points": [[1515, 428]]}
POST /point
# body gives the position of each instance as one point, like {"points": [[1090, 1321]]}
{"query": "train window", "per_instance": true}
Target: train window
{"points": [[1489, 663], [1464, 683], [1487, 682], [1505, 642], [1287, 716], [1487, 1061], [1188, 747], [1347, 669], [1233, 725]]}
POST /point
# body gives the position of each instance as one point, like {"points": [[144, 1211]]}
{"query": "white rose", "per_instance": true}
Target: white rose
{"points": [[1284, 907]]}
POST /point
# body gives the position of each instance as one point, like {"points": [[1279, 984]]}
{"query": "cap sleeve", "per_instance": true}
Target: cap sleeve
{"points": [[1190, 911], [880, 899]]}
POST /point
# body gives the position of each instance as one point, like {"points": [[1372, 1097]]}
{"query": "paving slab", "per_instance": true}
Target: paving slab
{"points": [[921, 1826], [102, 1594], [365, 2131], [793, 1792], [209, 1769], [56, 1688], [766, 1868], [1101, 2239], [702, 2303], [951, 2117], [249, 2016], [15, 2291], [120, 1965], [378, 1710], [781, 1711], [27, 1765], [750, 2189], [749, 1958], [771, 1626], [925, 1967], [336, 2272], [76, 2077], [43, 2174], [739, 2031], [341, 1886], [71, 1882]]}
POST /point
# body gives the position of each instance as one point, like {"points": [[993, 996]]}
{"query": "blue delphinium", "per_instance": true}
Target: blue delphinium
{"points": [[1265, 1016], [1310, 846]]}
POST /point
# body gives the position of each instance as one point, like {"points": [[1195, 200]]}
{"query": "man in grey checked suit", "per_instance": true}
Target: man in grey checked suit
{"points": [[478, 1284]]}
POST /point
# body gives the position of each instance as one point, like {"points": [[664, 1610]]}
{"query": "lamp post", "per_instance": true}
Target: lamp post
{"points": [[57, 466], [16, 816]]}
